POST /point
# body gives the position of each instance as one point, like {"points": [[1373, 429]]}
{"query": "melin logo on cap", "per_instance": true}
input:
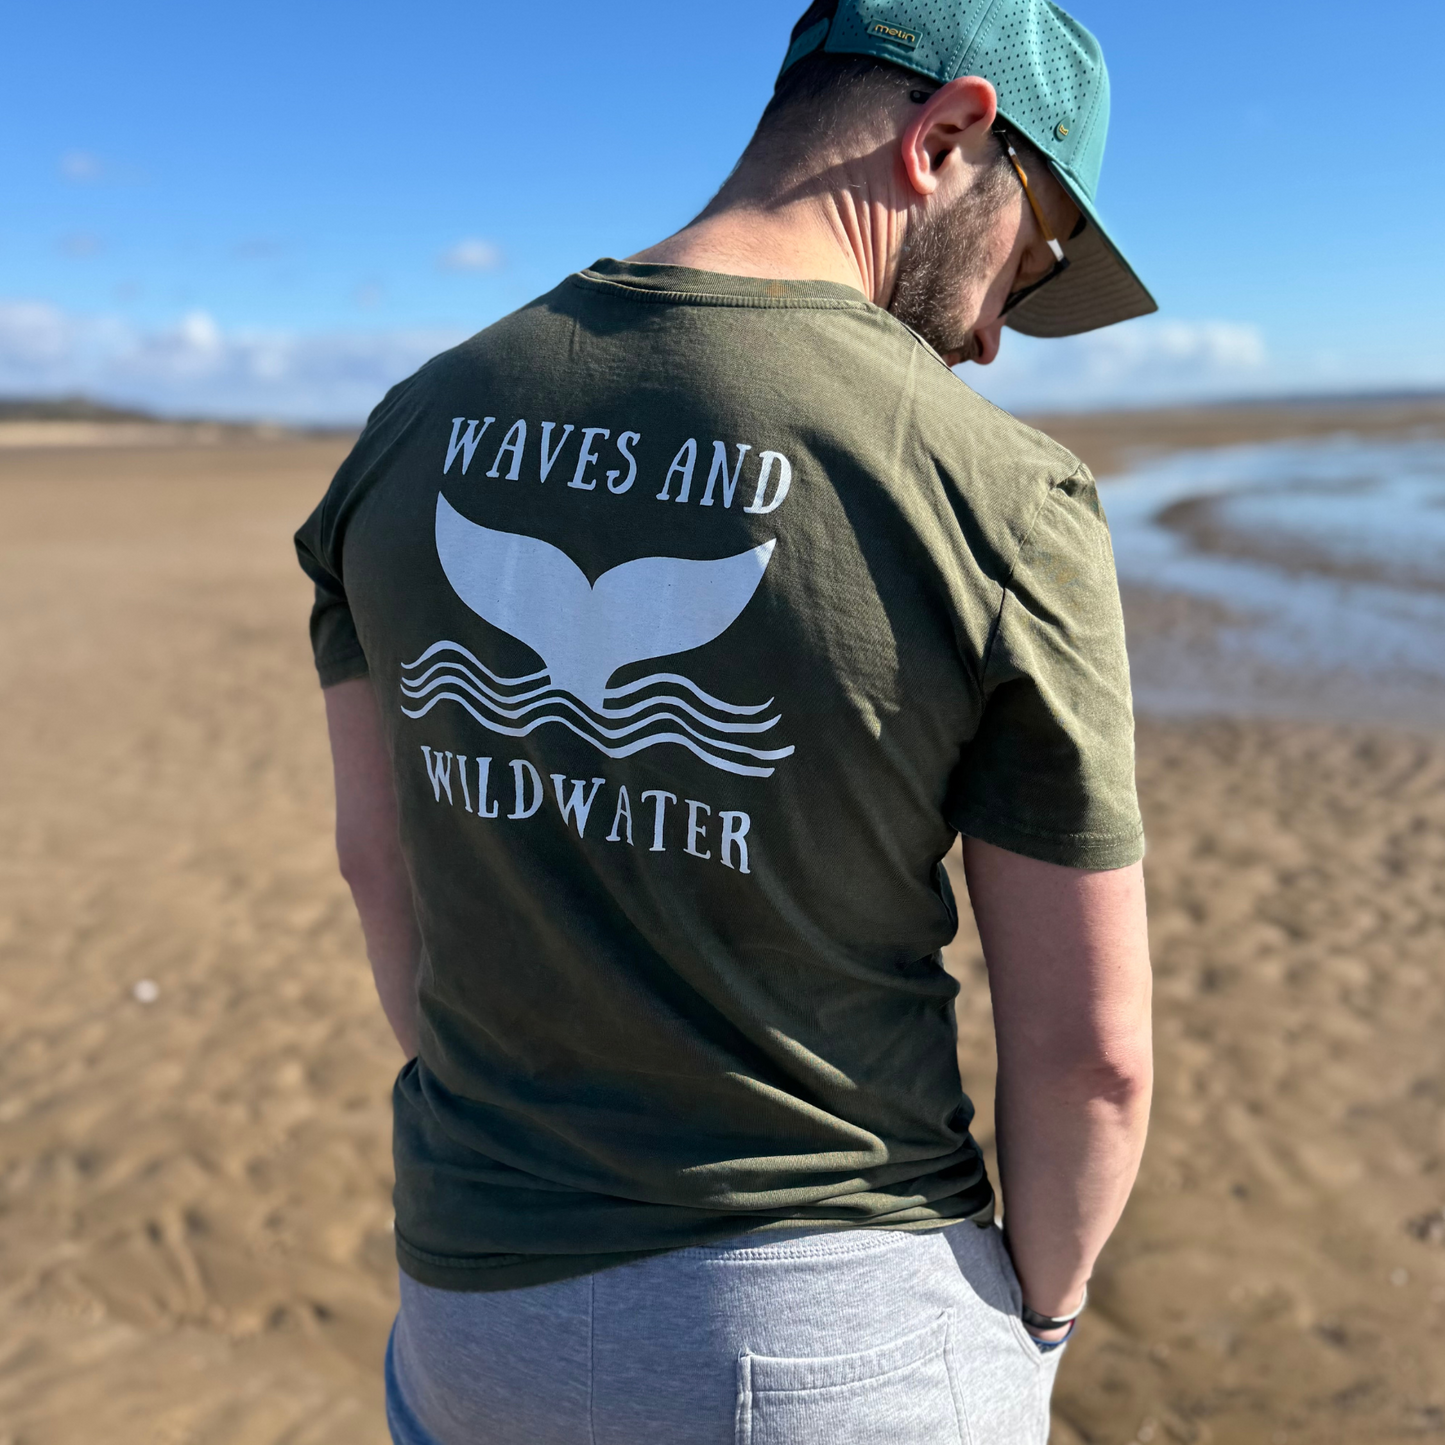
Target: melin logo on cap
{"points": [[908, 38]]}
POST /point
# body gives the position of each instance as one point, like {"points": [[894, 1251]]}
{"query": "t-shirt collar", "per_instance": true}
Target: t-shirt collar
{"points": [[685, 281]]}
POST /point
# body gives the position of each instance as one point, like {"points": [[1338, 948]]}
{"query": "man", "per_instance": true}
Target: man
{"points": [[671, 630]]}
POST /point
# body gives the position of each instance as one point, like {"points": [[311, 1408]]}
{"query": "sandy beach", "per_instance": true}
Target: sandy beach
{"points": [[194, 1075]]}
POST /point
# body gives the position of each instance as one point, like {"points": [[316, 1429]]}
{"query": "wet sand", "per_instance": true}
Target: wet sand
{"points": [[1279, 1274], [194, 1191]]}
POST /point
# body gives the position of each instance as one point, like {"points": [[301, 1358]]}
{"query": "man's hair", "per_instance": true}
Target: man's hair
{"points": [[825, 84], [818, 104], [819, 80]]}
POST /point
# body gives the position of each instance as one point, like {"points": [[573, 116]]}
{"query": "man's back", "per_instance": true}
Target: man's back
{"points": [[703, 612]]}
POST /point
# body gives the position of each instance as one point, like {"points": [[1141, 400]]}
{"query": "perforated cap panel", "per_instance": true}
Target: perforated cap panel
{"points": [[928, 36], [1050, 76]]}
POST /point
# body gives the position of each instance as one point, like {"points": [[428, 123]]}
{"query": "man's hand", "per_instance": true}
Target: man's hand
{"points": [[1068, 963], [368, 845]]}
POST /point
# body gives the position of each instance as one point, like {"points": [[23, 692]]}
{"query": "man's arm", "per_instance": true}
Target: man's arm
{"points": [[1068, 963], [368, 846]]}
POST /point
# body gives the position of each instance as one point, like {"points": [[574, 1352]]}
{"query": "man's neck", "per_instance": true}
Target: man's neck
{"points": [[834, 234]]}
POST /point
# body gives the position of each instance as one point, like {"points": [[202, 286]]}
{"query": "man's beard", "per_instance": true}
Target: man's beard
{"points": [[939, 259]]}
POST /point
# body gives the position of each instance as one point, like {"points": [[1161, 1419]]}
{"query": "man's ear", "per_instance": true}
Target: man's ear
{"points": [[956, 118]]}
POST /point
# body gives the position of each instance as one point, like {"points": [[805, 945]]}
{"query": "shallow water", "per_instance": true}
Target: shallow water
{"points": [[1312, 578]]}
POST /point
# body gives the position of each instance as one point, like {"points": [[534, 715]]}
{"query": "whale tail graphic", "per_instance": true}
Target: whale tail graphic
{"points": [[650, 607]]}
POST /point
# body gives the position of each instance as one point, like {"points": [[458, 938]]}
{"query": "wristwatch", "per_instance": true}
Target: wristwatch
{"points": [[1035, 1321]]}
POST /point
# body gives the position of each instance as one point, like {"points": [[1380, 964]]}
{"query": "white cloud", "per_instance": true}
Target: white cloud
{"points": [[32, 335], [472, 255], [81, 166], [195, 367], [80, 246], [85, 168], [259, 248], [1139, 363]]}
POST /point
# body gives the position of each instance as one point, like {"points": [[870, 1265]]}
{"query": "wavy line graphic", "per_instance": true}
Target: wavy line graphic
{"points": [[634, 716]]}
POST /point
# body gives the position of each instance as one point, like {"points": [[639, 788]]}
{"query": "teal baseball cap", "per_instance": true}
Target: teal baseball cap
{"points": [[1052, 89]]}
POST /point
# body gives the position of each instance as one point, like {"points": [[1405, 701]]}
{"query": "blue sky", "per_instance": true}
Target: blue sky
{"points": [[277, 209]]}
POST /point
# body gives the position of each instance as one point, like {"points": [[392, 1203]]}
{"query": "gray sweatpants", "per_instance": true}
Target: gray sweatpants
{"points": [[813, 1339]]}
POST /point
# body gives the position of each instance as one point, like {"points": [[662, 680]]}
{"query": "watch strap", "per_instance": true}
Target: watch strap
{"points": [[1035, 1321]]}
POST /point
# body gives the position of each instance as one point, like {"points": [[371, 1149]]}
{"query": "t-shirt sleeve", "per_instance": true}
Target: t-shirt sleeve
{"points": [[334, 642], [1050, 772], [321, 545]]}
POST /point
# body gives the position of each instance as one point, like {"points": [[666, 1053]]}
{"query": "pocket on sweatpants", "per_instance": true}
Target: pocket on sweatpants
{"points": [[902, 1391]]}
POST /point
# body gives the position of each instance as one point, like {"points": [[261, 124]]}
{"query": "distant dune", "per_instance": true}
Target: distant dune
{"points": [[76, 421], [67, 408], [1109, 441]]}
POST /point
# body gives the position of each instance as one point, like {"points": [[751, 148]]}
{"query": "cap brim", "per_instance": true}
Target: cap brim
{"points": [[1098, 289]]}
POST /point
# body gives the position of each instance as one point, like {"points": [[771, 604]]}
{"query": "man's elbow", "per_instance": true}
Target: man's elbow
{"points": [[1113, 1066], [1119, 1079]]}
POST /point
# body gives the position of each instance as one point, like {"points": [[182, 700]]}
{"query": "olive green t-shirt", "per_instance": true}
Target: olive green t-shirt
{"points": [[703, 613]]}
